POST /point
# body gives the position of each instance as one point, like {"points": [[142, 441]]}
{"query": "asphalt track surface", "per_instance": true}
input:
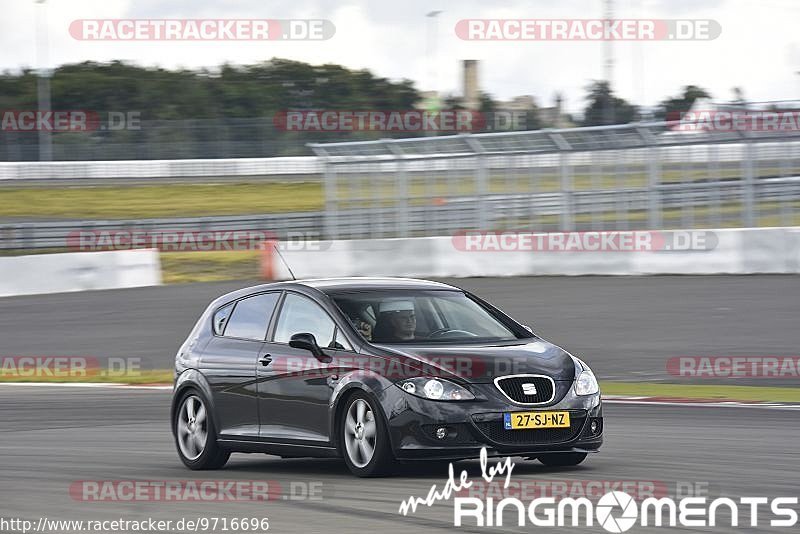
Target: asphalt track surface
{"points": [[53, 437], [625, 327]]}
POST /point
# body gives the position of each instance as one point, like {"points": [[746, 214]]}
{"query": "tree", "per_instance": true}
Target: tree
{"points": [[672, 107], [606, 108], [211, 111]]}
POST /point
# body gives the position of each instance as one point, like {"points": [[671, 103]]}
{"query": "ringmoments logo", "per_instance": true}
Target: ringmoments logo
{"points": [[615, 511]]}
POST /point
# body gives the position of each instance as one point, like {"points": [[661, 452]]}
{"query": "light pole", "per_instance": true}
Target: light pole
{"points": [[432, 104], [608, 65], [43, 79], [431, 51]]}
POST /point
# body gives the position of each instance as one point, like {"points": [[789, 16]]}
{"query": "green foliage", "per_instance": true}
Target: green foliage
{"points": [[231, 91], [606, 108], [682, 103], [204, 113]]}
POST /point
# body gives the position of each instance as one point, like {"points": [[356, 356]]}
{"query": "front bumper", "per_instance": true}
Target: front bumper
{"points": [[473, 425]]}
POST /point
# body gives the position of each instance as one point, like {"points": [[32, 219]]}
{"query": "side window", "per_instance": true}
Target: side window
{"points": [[221, 319], [251, 316], [341, 342], [300, 314]]}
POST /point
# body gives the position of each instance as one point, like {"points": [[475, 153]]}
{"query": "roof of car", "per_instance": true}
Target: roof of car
{"points": [[327, 285], [330, 284]]}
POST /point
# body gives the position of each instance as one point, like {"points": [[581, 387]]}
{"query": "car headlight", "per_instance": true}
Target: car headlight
{"points": [[586, 383], [435, 389]]}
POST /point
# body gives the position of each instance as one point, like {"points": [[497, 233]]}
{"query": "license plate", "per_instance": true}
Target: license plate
{"points": [[527, 420]]}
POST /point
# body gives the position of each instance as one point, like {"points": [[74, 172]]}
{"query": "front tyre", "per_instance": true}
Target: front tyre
{"points": [[562, 459], [195, 435], [364, 439]]}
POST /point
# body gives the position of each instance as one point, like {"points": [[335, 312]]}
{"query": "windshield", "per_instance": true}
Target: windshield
{"points": [[414, 316]]}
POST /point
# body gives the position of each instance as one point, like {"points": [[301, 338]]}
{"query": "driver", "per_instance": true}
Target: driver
{"points": [[401, 318]]}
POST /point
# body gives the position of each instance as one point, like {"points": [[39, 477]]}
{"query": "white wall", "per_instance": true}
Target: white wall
{"points": [[78, 271], [736, 251]]}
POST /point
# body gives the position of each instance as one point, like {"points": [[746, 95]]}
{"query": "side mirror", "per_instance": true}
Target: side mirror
{"points": [[528, 328], [308, 342]]}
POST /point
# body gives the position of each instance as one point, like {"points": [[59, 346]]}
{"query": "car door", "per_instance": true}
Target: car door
{"points": [[229, 363], [295, 389]]}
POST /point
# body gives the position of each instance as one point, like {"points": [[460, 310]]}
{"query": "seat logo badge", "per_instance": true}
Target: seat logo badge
{"points": [[529, 389]]}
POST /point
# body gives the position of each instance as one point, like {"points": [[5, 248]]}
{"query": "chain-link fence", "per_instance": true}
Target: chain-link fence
{"points": [[226, 138], [601, 178]]}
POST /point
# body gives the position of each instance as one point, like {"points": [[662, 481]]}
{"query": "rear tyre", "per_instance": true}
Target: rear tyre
{"points": [[562, 459], [364, 439], [195, 435]]}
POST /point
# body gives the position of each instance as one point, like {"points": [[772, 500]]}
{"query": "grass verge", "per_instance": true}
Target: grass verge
{"points": [[155, 376], [224, 197], [209, 266], [164, 200], [702, 391]]}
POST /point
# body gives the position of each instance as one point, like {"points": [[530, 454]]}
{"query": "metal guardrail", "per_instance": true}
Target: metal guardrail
{"points": [[601, 178], [504, 211], [709, 177]]}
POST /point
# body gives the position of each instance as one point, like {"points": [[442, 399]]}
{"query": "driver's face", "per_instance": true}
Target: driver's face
{"points": [[404, 323]]}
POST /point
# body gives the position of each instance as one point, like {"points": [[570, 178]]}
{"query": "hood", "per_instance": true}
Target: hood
{"points": [[483, 363]]}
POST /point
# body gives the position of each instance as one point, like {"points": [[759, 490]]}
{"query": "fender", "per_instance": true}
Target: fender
{"points": [[190, 378], [367, 381]]}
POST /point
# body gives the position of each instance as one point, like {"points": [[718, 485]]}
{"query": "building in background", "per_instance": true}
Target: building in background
{"points": [[471, 93]]}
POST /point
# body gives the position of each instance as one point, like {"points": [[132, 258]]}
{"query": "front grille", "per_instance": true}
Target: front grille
{"points": [[495, 431], [527, 389]]}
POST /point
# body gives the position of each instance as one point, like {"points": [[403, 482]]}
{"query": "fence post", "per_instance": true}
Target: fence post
{"points": [[654, 219], [748, 184], [481, 180], [330, 216], [567, 216], [401, 215]]}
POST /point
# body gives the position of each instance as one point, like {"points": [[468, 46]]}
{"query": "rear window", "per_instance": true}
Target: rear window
{"points": [[251, 316], [221, 319]]}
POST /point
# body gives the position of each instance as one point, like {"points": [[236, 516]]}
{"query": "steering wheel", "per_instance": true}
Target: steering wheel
{"points": [[442, 332]]}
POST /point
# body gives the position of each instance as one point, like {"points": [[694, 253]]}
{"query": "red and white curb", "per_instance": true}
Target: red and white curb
{"points": [[607, 399]]}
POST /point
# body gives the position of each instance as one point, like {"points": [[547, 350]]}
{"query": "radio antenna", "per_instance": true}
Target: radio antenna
{"points": [[284, 261]]}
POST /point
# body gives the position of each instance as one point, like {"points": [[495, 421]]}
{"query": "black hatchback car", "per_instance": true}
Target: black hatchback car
{"points": [[375, 371]]}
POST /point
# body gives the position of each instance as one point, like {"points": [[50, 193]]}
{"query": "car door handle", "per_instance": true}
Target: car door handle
{"points": [[266, 360]]}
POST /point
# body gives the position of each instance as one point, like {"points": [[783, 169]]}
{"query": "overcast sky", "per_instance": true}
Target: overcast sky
{"points": [[759, 48]]}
